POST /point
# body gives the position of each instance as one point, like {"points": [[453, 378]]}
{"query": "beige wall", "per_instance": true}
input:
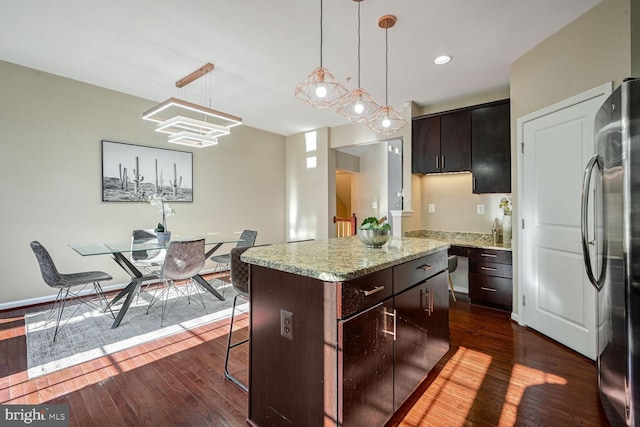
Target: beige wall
{"points": [[50, 179], [308, 190], [592, 50], [635, 39], [456, 206]]}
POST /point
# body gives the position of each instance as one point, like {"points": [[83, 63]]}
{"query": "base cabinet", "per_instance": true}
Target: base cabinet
{"points": [[358, 348], [490, 278], [365, 358], [422, 334]]}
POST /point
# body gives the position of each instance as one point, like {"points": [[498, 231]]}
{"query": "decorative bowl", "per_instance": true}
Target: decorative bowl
{"points": [[374, 238]]}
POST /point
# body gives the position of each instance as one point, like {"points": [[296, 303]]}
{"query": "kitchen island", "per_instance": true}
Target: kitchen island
{"points": [[342, 334]]}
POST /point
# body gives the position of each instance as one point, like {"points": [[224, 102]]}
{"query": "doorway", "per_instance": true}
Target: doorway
{"points": [[369, 179], [555, 295]]}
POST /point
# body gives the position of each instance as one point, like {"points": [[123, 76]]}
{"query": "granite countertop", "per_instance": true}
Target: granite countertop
{"points": [[456, 238], [340, 259]]}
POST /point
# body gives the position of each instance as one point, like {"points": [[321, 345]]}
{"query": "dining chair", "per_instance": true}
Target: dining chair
{"points": [[223, 261], [149, 260], [240, 282], [65, 282], [183, 260]]}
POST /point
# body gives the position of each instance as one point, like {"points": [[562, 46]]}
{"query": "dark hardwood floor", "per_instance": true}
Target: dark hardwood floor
{"points": [[496, 373]]}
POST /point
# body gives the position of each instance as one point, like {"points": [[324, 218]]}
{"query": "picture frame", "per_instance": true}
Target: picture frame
{"points": [[133, 173]]}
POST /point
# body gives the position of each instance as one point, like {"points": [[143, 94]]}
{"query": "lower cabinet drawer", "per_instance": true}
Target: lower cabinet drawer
{"points": [[490, 268], [361, 293], [413, 272], [490, 289]]}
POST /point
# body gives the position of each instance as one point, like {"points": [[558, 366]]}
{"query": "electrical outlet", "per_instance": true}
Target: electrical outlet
{"points": [[286, 324], [480, 209], [432, 208]]}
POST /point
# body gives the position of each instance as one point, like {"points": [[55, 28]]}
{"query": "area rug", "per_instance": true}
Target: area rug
{"points": [[88, 334]]}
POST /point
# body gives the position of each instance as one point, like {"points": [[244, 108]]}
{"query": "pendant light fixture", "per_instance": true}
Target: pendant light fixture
{"points": [[191, 124], [386, 120], [358, 105], [320, 89]]}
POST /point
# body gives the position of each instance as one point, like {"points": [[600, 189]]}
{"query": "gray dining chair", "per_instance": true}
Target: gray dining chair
{"points": [[149, 260], [65, 282], [183, 260], [223, 261], [240, 283]]}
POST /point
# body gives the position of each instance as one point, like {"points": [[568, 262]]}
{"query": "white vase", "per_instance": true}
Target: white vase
{"points": [[506, 229]]}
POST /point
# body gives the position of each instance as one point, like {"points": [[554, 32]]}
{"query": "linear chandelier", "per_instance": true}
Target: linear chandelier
{"points": [[191, 124]]}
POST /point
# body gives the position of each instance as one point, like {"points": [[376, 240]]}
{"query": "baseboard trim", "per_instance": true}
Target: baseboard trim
{"points": [[11, 305]]}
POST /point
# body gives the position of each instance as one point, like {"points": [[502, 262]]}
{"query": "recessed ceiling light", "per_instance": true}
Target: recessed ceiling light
{"points": [[442, 59]]}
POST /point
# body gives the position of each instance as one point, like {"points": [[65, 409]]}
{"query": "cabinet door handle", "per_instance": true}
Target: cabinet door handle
{"points": [[372, 291], [428, 300], [489, 255], [431, 298], [474, 183], [390, 314], [437, 162], [425, 267], [442, 162], [488, 289], [488, 268]]}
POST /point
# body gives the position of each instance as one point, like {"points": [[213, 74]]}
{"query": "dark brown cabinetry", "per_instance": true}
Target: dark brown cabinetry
{"points": [[490, 278], [366, 362], [422, 333], [442, 143], [491, 148], [476, 139], [359, 347]]}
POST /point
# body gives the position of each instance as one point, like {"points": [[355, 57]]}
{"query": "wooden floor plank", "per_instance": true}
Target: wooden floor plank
{"points": [[495, 374]]}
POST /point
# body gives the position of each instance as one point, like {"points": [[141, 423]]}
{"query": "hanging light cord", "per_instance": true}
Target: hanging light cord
{"points": [[386, 66], [359, 45], [320, 33]]}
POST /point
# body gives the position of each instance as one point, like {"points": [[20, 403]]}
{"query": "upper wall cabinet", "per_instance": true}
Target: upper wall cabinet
{"points": [[441, 143], [491, 148], [476, 139]]}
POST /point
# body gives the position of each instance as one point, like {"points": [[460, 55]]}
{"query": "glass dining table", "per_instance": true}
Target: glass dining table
{"points": [[118, 250]]}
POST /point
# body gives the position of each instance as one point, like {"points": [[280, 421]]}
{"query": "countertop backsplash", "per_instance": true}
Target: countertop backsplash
{"points": [[460, 238]]}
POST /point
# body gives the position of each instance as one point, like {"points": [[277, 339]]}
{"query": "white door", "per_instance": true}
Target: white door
{"points": [[556, 296]]}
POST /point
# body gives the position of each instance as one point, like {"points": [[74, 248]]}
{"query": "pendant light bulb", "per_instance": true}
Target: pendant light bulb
{"points": [[321, 91], [386, 122], [358, 108]]}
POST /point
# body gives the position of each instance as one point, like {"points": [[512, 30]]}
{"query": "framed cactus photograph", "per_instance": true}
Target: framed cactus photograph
{"points": [[133, 173]]}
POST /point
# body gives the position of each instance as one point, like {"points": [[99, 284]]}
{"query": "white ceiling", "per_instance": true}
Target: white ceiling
{"points": [[262, 49]]}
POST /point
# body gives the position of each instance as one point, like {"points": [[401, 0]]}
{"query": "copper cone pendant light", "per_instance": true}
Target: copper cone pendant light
{"points": [[358, 105], [386, 120], [320, 89]]}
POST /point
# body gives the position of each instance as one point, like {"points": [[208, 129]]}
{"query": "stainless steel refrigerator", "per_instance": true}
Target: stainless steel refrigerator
{"points": [[611, 249]]}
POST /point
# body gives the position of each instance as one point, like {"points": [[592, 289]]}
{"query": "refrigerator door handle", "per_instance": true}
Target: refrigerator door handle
{"points": [[597, 283]]}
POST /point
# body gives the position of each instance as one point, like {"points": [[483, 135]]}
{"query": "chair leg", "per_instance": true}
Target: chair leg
{"points": [[230, 346], [61, 308], [219, 268], [453, 294], [102, 298]]}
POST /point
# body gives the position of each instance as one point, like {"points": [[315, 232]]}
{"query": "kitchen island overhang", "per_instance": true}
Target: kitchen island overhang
{"points": [[337, 329]]}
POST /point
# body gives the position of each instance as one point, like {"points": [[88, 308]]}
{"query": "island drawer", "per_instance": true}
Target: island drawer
{"points": [[361, 293], [413, 272], [490, 268]]}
